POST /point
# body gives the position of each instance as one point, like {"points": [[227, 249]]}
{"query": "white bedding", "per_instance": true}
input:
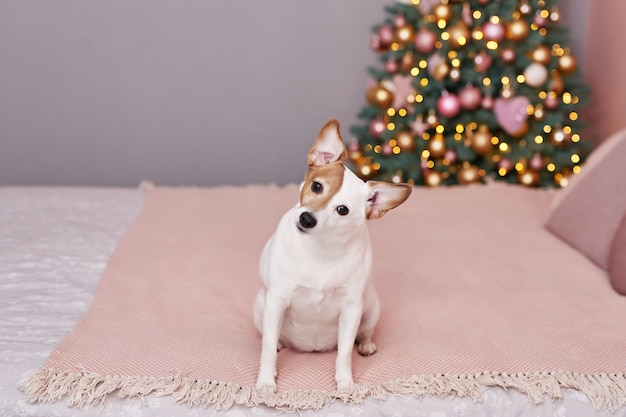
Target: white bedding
{"points": [[54, 245]]}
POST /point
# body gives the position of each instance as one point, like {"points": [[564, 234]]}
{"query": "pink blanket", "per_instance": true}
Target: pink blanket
{"points": [[475, 293]]}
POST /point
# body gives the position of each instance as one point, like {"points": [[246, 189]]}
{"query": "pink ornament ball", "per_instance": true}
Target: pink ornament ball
{"points": [[493, 31], [505, 164], [385, 33], [391, 66], [470, 97], [483, 61], [539, 20], [387, 150], [377, 127], [450, 155], [551, 102], [448, 105], [487, 102], [536, 162], [399, 21], [507, 55], [425, 41]]}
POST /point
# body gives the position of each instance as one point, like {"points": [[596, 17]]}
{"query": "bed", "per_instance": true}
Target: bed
{"points": [[56, 243]]}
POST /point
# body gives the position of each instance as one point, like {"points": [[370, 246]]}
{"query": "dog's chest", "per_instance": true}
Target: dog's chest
{"points": [[316, 304]]}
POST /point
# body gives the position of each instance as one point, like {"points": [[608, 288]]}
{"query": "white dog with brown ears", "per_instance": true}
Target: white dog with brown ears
{"points": [[317, 292]]}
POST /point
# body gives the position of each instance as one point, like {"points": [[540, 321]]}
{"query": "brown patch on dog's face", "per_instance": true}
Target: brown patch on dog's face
{"points": [[321, 184]]}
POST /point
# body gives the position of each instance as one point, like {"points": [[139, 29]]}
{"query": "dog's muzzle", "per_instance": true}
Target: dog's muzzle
{"points": [[306, 221]]}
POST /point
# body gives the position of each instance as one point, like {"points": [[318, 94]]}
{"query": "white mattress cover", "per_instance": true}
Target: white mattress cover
{"points": [[54, 245]]}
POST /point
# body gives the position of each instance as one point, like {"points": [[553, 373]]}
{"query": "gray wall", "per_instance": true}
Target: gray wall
{"points": [[193, 92]]}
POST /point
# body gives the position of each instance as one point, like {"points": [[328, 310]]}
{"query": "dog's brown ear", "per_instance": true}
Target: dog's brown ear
{"points": [[384, 196], [328, 146]]}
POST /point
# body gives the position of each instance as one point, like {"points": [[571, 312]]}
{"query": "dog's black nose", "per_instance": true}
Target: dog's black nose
{"points": [[307, 220]]}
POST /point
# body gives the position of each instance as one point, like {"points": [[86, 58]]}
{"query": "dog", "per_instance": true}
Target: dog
{"points": [[317, 292]]}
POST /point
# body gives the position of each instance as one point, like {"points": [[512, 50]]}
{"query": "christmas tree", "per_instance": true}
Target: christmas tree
{"points": [[468, 90]]}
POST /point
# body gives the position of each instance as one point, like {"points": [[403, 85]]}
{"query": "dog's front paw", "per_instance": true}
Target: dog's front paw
{"points": [[266, 386], [366, 347], [344, 385]]}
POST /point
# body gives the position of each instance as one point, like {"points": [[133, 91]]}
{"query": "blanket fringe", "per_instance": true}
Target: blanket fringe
{"points": [[605, 391]]}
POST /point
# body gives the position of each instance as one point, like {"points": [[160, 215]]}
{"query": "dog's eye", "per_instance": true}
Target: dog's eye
{"points": [[343, 210], [316, 187]]}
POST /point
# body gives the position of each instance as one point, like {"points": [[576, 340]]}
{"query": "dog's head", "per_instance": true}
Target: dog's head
{"points": [[333, 198]]}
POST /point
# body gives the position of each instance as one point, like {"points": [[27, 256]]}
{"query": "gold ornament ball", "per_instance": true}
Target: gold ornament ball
{"points": [[556, 82], [567, 64], [517, 30], [541, 55], [562, 178], [379, 96], [437, 147], [558, 137], [355, 156], [441, 71], [407, 61], [432, 178], [529, 178], [481, 142], [432, 118], [366, 171], [405, 34], [459, 34], [405, 141], [442, 12], [468, 174]]}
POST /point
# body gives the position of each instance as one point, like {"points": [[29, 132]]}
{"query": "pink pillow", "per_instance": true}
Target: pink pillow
{"points": [[589, 210], [617, 259]]}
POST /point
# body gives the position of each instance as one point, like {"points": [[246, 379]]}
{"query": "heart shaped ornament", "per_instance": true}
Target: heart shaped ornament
{"points": [[511, 114]]}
